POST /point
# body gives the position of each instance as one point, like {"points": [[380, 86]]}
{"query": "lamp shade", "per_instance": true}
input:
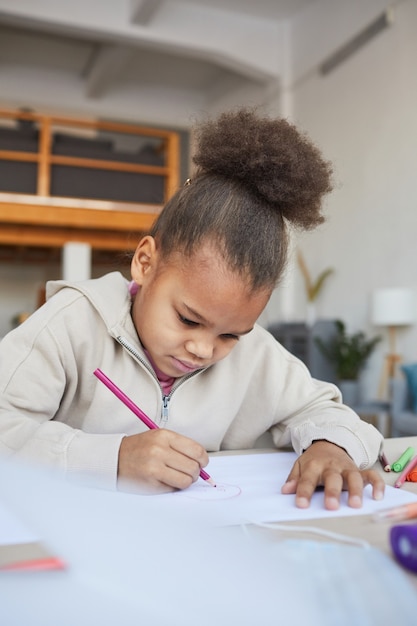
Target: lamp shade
{"points": [[393, 307]]}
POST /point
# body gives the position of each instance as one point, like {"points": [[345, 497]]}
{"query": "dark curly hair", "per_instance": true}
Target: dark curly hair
{"points": [[255, 176]]}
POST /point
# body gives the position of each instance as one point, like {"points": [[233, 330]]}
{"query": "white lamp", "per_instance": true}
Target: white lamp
{"points": [[392, 308]]}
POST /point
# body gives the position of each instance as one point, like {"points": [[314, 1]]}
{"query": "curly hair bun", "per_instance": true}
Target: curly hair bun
{"points": [[271, 157]]}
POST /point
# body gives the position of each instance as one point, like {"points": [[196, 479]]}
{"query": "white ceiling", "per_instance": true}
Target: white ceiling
{"points": [[153, 60], [268, 9]]}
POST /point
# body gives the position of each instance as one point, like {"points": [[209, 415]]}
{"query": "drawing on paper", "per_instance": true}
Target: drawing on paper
{"points": [[203, 491]]}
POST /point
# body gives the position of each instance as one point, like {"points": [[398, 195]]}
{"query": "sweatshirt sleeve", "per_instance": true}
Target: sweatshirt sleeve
{"points": [[314, 410], [33, 387]]}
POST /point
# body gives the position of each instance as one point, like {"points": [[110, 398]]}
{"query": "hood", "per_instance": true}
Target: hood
{"points": [[108, 294]]}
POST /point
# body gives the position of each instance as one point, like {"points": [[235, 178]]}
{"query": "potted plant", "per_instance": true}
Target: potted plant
{"points": [[349, 354], [312, 287]]}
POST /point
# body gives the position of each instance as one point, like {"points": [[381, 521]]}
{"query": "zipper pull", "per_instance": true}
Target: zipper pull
{"points": [[164, 417]]}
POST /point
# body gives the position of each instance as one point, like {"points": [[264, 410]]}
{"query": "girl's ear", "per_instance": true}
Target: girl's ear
{"points": [[144, 260]]}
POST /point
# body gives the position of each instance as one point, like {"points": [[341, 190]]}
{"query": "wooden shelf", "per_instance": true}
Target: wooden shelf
{"points": [[51, 222], [42, 220]]}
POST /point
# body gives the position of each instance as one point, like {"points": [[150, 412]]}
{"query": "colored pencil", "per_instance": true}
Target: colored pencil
{"points": [[138, 412], [397, 513], [403, 476], [384, 462]]}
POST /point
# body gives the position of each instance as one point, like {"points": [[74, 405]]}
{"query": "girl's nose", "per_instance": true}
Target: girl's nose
{"points": [[202, 348]]}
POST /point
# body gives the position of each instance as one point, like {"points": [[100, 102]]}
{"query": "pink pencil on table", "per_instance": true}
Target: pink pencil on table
{"points": [[403, 476], [138, 412]]}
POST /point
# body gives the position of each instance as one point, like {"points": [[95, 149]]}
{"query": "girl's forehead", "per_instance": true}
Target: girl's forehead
{"points": [[203, 284], [206, 257], [207, 267], [207, 273]]}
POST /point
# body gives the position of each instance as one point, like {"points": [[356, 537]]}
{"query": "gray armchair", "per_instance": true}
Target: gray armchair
{"points": [[403, 418]]}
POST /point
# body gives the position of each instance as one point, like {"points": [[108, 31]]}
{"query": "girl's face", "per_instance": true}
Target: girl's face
{"points": [[190, 312]]}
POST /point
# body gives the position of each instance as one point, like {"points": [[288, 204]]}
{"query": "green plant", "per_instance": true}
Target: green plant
{"points": [[348, 353], [313, 288]]}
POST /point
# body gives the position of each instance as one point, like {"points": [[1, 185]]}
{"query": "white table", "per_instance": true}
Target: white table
{"points": [[130, 565]]}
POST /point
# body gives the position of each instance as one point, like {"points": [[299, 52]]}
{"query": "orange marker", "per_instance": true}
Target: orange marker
{"points": [[412, 476]]}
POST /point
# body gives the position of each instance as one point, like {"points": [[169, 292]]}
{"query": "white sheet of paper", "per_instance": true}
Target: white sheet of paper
{"points": [[12, 529], [249, 491]]}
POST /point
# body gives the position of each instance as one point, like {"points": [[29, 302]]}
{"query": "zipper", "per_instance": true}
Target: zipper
{"points": [[165, 398], [137, 356], [165, 401]]}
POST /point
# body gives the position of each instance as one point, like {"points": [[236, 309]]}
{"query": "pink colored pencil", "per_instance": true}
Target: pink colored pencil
{"points": [[403, 476], [138, 412]]}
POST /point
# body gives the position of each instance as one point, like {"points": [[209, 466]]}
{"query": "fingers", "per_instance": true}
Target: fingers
{"points": [[179, 470], [188, 448], [158, 461], [371, 477], [334, 474], [352, 481]]}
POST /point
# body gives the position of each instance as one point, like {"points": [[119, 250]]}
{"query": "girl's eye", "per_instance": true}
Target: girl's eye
{"points": [[186, 321], [231, 337]]}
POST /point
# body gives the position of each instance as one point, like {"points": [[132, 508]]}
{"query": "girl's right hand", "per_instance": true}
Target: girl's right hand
{"points": [[158, 461]]}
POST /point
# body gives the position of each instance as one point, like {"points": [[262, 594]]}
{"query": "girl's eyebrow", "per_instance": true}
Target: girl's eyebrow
{"points": [[203, 320], [194, 313]]}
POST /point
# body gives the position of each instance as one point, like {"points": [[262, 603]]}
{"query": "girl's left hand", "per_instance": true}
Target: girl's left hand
{"points": [[327, 465]]}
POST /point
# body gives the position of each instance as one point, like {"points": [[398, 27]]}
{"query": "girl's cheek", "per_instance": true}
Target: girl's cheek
{"points": [[223, 351]]}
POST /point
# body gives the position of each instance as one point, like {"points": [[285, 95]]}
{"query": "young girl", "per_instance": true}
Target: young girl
{"points": [[181, 339]]}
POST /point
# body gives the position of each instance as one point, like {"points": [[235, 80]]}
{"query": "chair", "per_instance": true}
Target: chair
{"points": [[403, 418]]}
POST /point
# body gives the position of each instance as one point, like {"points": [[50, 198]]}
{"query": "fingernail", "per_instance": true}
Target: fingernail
{"points": [[332, 503], [302, 503], [355, 502], [288, 487]]}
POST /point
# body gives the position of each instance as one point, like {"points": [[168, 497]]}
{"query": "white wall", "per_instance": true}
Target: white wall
{"points": [[364, 117]]}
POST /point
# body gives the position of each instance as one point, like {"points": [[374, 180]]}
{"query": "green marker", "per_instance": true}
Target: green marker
{"points": [[400, 463]]}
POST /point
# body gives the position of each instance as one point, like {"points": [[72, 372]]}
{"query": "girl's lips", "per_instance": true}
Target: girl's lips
{"points": [[184, 366]]}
